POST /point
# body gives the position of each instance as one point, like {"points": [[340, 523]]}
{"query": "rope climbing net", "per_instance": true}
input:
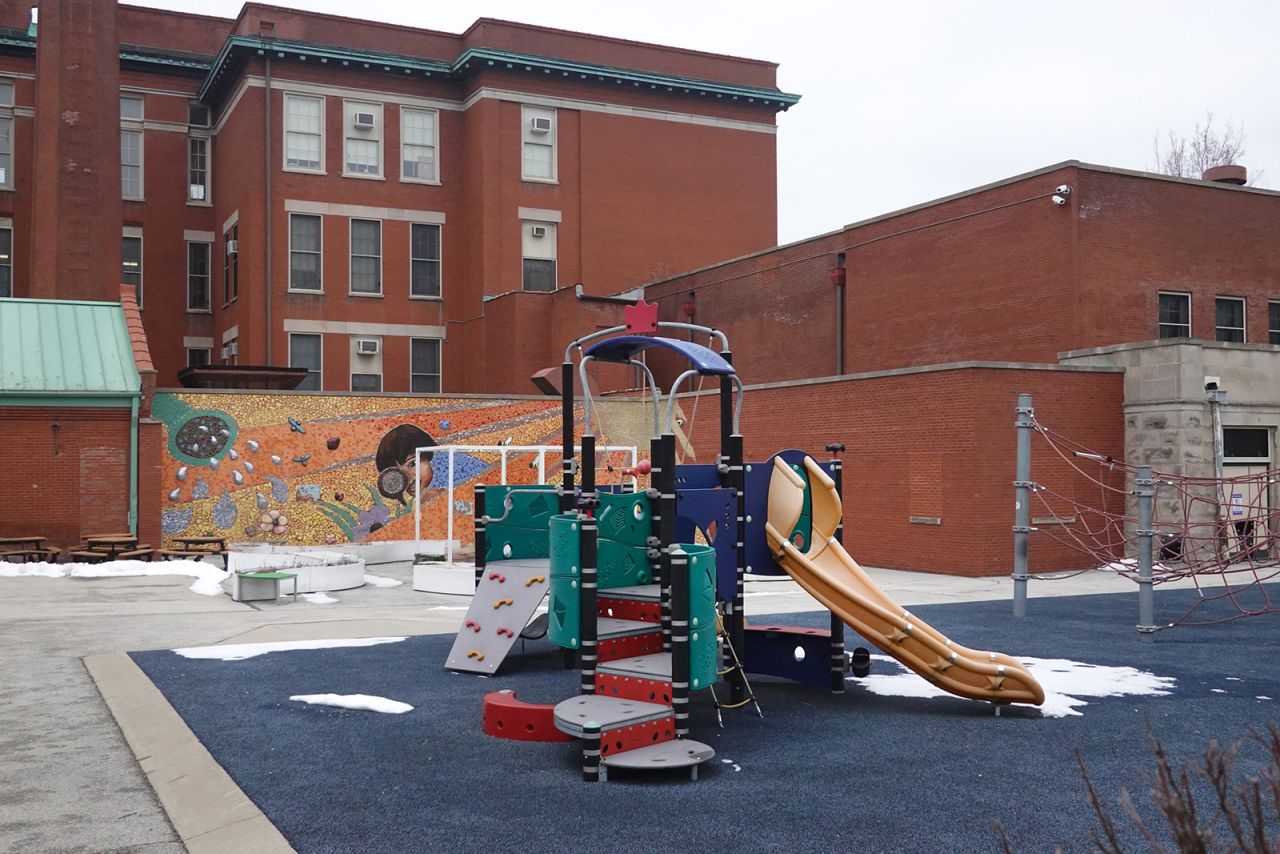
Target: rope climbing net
{"points": [[1219, 533]]}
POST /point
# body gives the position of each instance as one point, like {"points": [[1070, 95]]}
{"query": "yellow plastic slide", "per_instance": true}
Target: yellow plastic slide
{"points": [[835, 579]]}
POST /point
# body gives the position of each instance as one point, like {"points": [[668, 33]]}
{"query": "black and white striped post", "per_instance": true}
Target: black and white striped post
{"points": [[1145, 491], [590, 752], [736, 628], [837, 624], [481, 543], [587, 603], [567, 502], [666, 486], [680, 640]]}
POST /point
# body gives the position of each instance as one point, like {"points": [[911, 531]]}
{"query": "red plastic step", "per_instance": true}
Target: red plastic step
{"points": [[633, 688], [508, 717]]}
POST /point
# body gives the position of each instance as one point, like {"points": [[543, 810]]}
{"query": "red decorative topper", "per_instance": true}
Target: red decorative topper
{"points": [[642, 318]]}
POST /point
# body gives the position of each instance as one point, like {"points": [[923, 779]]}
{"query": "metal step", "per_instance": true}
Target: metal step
{"points": [[656, 665], [681, 753], [608, 712], [638, 592], [612, 627]]}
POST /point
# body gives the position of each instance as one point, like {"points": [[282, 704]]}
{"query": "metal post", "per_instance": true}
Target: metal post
{"points": [[590, 752], [1146, 493], [680, 640], [481, 545], [837, 624], [567, 502], [667, 537], [588, 614], [736, 624], [587, 465], [1024, 421], [448, 537]]}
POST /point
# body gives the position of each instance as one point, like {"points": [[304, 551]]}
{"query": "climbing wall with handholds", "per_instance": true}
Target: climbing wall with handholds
{"points": [[508, 594]]}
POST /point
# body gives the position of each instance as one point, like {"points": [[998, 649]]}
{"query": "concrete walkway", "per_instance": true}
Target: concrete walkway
{"points": [[70, 780]]}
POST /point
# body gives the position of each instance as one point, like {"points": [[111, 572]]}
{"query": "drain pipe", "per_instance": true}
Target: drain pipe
{"points": [[266, 147], [133, 465], [839, 278]]}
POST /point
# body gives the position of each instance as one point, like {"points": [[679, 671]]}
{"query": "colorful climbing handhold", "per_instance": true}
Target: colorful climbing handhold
{"points": [[498, 577], [500, 603], [473, 625], [476, 654], [503, 630], [537, 579]]}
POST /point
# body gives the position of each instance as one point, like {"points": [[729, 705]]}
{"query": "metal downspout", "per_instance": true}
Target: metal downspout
{"points": [[266, 147], [133, 465]]}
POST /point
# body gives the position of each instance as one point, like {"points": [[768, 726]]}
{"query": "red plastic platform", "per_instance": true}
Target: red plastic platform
{"points": [[508, 717]]}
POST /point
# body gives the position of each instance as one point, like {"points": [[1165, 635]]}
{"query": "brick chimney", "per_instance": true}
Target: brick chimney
{"points": [[76, 210]]}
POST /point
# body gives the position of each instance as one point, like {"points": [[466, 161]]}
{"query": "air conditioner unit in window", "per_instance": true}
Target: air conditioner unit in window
{"points": [[234, 347], [367, 346], [226, 352], [197, 192], [363, 121], [540, 124], [538, 231], [233, 247]]}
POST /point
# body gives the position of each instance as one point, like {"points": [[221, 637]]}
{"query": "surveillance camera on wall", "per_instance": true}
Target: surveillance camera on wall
{"points": [[1063, 189], [1211, 383], [1059, 200]]}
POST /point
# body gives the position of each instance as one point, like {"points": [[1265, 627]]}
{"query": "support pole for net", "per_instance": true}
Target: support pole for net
{"points": [[1024, 421], [1145, 491]]}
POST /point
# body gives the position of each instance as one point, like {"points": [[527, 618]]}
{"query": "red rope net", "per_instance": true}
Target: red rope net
{"points": [[1220, 533]]}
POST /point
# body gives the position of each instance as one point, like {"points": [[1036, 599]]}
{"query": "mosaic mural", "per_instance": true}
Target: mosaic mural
{"points": [[322, 469]]}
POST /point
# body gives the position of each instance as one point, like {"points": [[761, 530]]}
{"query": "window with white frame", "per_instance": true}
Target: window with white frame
{"points": [[366, 256], [418, 142], [6, 132], [231, 264], [539, 141], [304, 133], [1175, 315], [305, 256], [198, 115], [198, 169], [131, 146], [424, 365], [131, 258], [362, 139], [307, 351], [198, 357], [1229, 319], [539, 242], [6, 261], [424, 263], [198, 274], [1273, 322]]}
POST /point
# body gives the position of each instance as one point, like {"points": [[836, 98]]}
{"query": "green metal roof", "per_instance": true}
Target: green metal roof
{"points": [[65, 353]]}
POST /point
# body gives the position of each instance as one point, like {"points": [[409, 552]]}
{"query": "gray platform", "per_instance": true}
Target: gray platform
{"points": [[515, 580], [638, 592], [608, 712], [682, 753], [612, 627], [656, 665]]}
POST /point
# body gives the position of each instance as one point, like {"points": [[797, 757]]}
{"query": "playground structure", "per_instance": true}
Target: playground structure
{"points": [[646, 587]]}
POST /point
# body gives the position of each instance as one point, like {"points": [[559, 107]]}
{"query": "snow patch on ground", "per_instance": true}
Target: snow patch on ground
{"points": [[317, 598], [381, 581], [362, 702], [208, 578], [1064, 682], [1262, 697], [241, 651], [1216, 691]]}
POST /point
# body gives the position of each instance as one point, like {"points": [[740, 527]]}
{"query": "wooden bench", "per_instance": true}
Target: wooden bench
{"points": [[182, 554], [89, 556], [141, 553]]}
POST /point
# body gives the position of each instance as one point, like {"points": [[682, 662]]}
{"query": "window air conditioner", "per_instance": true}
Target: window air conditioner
{"points": [[226, 352], [538, 231], [363, 121], [197, 192], [233, 247], [367, 346], [234, 348], [540, 124]]}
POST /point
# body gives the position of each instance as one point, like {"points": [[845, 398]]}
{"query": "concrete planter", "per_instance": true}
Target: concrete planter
{"points": [[317, 571]]}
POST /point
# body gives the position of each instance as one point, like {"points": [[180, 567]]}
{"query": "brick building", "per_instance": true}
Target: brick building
{"points": [[291, 188]]}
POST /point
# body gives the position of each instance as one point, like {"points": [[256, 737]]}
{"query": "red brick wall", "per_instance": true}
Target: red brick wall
{"points": [[65, 488], [935, 444]]}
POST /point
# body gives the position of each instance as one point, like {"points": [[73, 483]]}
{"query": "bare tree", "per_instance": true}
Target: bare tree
{"points": [[1205, 147]]}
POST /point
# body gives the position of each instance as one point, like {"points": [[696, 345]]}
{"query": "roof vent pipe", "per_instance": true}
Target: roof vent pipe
{"points": [[1230, 174]]}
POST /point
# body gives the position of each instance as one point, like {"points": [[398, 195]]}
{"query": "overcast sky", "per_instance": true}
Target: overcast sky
{"points": [[903, 102]]}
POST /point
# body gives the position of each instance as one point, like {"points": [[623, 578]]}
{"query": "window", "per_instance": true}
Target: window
{"points": [[1175, 315], [304, 133], [1246, 443], [198, 357], [424, 365], [6, 151], [304, 253], [197, 169], [1229, 313], [424, 253], [366, 256], [131, 164], [1273, 321], [418, 145], [198, 276], [366, 382], [131, 107], [539, 137], [362, 139], [231, 264], [539, 241], [6, 92], [305, 351], [6, 262], [197, 115], [131, 255]]}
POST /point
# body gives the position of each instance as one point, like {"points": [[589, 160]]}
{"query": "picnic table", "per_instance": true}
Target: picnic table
{"points": [[111, 544], [212, 544], [27, 549]]}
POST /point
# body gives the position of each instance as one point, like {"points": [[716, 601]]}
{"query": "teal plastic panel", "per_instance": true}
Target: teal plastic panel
{"points": [[504, 543], [624, 517], [704, 648], [565, 551], [619, 565], [563, 613], [531, 506]]}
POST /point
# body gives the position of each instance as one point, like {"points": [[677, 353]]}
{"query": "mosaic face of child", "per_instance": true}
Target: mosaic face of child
{"points": [[397, 452]]}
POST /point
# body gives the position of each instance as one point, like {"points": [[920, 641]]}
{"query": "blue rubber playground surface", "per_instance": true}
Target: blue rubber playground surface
{"points": [[858, 772]]}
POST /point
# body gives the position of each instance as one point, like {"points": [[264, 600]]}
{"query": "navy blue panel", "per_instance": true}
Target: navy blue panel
{"points": [[771, 650], [697, 476], [755, 546], [624, 347], [701, 507]]}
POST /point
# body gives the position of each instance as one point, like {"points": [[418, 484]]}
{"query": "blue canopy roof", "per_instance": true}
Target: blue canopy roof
{"points": [[622, 348]]}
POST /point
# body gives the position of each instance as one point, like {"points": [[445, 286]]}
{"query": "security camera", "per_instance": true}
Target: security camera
{"points": [[1211, 383], [1059, 200], [1063, 189]]}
